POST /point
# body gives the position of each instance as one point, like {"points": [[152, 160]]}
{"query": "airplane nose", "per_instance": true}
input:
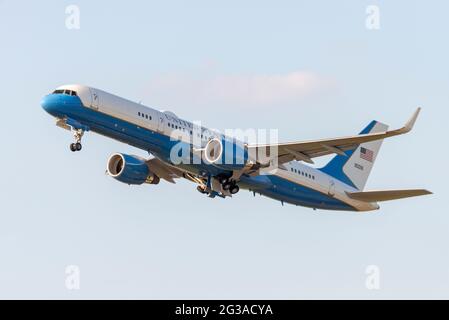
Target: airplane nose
{"points": [[50, 103]]}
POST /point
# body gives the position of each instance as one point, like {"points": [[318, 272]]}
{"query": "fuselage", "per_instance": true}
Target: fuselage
{"points": [[158, 132]]}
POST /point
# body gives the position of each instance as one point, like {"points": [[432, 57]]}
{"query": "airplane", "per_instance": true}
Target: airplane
{"points": [[219, 164]]}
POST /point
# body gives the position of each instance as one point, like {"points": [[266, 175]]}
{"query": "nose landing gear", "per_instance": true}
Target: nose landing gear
{"points": [[77, 146]]}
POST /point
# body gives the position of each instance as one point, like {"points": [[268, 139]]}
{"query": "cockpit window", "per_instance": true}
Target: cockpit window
{"points": [[67, 92]]}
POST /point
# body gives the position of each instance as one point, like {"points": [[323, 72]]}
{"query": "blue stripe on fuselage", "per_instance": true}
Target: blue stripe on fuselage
{"points": [[294, 193], [64, 106]]}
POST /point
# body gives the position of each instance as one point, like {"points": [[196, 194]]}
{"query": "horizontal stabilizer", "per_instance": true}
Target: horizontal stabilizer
{"points": [[386, 195]]}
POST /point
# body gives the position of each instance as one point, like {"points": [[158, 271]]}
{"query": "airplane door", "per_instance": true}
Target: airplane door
{"points": [[95, 99], [331, 191], [160, 126]]}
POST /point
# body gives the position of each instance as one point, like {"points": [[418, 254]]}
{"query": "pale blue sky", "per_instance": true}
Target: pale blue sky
{"points": [[168, 241]]}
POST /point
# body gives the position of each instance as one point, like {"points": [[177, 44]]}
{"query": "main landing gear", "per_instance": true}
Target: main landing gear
{"points": [[229, 185], [226, 183], [77, 146]]}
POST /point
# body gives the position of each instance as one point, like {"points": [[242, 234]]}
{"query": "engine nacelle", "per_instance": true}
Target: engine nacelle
{"points": [[225, 154], [130, 169]]}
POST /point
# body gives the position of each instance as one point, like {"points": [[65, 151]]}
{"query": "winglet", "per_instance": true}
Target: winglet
{"points": [[410, 123]]}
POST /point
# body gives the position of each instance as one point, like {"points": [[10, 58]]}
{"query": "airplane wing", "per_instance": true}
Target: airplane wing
{"points": [[306, 150], [164, 171]]}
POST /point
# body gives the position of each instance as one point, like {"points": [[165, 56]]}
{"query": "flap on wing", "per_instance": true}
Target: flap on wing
{"points": [[385, 195], [163, 170], [306, 150]]}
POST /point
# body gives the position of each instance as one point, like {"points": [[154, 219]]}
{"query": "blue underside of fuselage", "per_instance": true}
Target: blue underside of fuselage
{"points": [[64, 106]]}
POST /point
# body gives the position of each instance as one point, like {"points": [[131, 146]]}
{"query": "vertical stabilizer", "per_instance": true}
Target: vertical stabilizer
{"points": [[354, 167]]}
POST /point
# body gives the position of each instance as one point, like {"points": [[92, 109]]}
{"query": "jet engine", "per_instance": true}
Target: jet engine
{"points": [[130, 169], [226, 154]]}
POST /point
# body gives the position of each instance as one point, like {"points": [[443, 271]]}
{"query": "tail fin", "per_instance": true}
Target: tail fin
{"points": [[354, 167]]}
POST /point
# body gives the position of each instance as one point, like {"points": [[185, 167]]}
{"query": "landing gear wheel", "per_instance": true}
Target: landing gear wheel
{"points": [[223, 180], [77, 134], [235, 188], [227, 186]]}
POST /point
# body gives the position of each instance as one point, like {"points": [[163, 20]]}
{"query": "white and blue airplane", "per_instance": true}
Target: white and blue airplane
{"points": [[220, 164]]}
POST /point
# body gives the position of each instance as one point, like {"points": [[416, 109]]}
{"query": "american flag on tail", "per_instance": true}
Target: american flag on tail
{"points": [[366, 154]]}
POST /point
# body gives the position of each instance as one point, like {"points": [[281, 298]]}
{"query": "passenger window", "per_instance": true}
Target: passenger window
{"points": [[146, 116], [138, 113], [73, 93]]}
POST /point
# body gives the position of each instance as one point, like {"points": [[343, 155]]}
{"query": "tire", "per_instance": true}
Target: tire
{"points": [[78, 146], [227, 186], [235, 189], [223, 180], [72, 147]]}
